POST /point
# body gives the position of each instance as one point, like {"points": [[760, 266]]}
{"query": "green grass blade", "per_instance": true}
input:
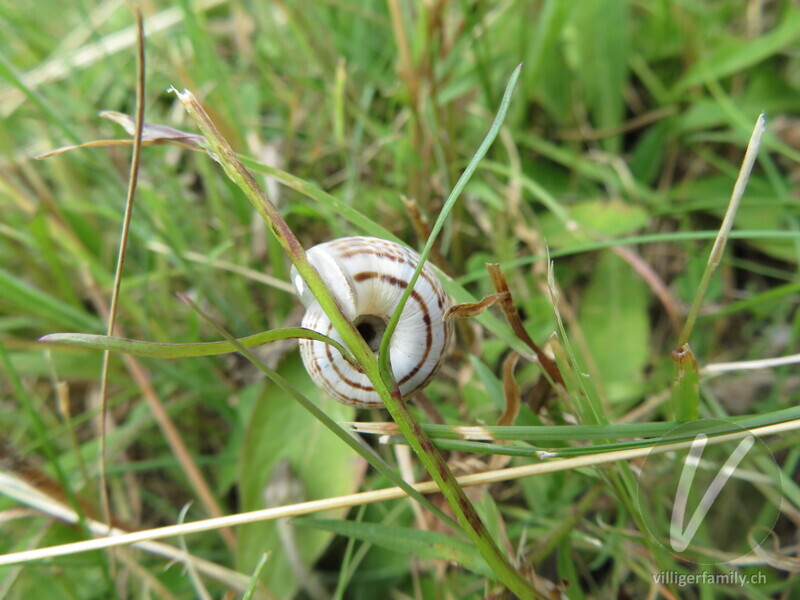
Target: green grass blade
{"points": [[686, 385], [442, 218], [415, 542], [51, 454], [737, 55], [159, 350], [365, 451], [254, 578], [25, 297]]}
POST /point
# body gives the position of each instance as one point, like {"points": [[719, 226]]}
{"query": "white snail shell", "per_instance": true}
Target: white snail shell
{"points": [[367, 276]]}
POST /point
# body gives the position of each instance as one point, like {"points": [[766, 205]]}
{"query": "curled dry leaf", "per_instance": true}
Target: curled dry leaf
{"points": [[506, 301], [473, 309], [510, 390], [512, 396], [153, 134], [513, 318]]}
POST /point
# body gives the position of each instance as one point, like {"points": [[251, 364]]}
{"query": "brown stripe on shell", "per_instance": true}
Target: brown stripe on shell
{"points": [[365, 275], [408, 259], [328, 384], [346, 248], [337, 370]]}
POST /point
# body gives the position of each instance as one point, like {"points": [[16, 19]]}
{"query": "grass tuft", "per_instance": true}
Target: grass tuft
{"points": [[607, 199]]}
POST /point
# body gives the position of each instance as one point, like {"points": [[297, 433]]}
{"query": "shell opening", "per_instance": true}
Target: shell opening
{"points": [[371, 328]]}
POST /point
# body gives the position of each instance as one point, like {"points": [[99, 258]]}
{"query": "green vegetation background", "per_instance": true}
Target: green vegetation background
{"points": [[629, 123]]}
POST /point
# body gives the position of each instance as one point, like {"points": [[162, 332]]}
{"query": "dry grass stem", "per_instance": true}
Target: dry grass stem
{"points": [[304, 508]]}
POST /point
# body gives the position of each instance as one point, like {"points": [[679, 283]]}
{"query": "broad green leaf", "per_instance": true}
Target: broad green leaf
{"points": [[615, 323], [320, 464], [493, 387], [647, 160], [599, 218], [423, 544]]}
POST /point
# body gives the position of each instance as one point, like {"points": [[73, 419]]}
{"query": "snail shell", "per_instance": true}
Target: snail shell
{"points": [[367, 276]]}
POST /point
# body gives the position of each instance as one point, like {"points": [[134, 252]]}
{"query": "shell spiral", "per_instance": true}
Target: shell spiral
{"points": [[367, 276]]}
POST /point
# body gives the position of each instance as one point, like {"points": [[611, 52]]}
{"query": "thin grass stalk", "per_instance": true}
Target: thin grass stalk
{"points": [[163, 419], [133, 178], [170, 432], [563, 433], [721, 240], [24, 493], [187, 350], [632, 240], [591, 411], [501, 475]]}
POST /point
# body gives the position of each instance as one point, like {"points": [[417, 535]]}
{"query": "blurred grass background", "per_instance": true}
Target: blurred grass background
{"points": [[629, 123]]}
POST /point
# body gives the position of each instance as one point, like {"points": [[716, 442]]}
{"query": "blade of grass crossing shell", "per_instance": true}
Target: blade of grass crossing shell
{"points": [[440, 221], [190, 350], [366, 452]]}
